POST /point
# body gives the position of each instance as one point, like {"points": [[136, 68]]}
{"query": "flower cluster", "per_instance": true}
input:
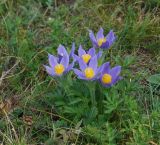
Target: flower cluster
{"points": [[87, 61]]}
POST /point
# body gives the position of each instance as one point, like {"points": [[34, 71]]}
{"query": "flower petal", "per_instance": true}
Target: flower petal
{"points": [[52, 60], [75, 57], [110, 37], [99, 54], [79, 73], [105, 68], [91, 52], [62, 51], [105, 45], [115, 80], [82, 64], [72, 50], [59, 58], [65, 61], [115, 71], [70, 66], [107, 85], [93, 63], [99, 71], [81, 51], [100, 34], [49, 70], [92, 38]]}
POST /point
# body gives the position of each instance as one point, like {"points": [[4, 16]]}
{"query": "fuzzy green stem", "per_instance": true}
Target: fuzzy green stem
{"points": [[91, 87], [101, 98]]}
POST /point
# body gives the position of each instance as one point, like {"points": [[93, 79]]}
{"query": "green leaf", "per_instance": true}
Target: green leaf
{"points": [[76, 101], [154, 79], [128, 60]]}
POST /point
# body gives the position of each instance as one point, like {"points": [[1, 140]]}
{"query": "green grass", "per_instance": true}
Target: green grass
{"points": [[30, 29]]}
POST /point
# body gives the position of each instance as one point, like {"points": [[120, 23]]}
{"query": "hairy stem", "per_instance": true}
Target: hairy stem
{"points": [[91, 87]]}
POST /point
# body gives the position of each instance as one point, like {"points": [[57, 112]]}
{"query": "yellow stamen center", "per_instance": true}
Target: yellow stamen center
{"points": [[106, 78], [101, 41], [89, 73], [59, 69], [86, 58]]}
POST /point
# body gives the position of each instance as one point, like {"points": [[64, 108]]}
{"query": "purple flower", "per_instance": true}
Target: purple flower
{"points": [[86, 55], [59, 65], [100, 40], [110, 76], [88, 71]]}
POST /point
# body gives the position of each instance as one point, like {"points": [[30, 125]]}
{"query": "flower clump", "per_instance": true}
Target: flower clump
{"points": [[87, 61]]}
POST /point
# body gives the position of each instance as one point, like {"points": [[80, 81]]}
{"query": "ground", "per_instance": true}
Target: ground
{"points": [[31, 111]]}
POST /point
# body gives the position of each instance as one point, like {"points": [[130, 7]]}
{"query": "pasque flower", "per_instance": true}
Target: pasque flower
{"points": [[89, 71], [109, 76], [59, 65], [86, 55], [100, 40], [87, 60]]}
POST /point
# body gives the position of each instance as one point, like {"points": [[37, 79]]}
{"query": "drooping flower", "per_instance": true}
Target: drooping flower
{"points": [[88, 71], [59, 65], [86, 55], [109, 76], [100, 40]]}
